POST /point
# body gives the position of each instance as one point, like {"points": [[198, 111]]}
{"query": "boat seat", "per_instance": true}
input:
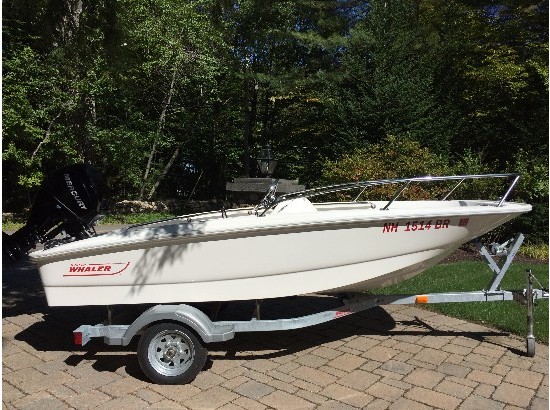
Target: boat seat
{"points": [[294, 206]]}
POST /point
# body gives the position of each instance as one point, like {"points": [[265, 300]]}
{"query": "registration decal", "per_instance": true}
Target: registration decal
{"points": [[96, 269], [421, 225]]}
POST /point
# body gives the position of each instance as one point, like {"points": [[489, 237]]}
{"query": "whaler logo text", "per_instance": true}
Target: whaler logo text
{"points": [[96, 269], [74, 193]]}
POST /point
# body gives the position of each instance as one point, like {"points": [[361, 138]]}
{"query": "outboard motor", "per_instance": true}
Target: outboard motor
{"points": [[68, 200]]}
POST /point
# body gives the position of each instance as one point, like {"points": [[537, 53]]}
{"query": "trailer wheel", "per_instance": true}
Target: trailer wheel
{"points": [[170, 354]]}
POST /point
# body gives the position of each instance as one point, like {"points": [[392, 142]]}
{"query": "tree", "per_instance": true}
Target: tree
{"points": [[496, 75], [156, 93], [389, 84], [172, 51]]}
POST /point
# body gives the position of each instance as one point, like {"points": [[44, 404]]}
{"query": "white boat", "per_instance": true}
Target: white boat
{"points": [[287, 245]]}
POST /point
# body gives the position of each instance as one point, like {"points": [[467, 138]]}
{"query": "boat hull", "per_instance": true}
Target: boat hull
{"points": [[258, 258]]}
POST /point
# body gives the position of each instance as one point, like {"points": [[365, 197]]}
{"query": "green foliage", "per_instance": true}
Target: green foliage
{"points": [[141, 89], [493, 75], [533, 189], [394, 158], [470, 163], [534, 176], [390, 66], [539, 251]]}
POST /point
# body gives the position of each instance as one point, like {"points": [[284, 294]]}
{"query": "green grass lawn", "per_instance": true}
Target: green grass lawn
{"points": [[474, 276], [110, 219], [135, 218]]}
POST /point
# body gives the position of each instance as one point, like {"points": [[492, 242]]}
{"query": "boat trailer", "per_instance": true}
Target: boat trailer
{"points": [[171, 346]]}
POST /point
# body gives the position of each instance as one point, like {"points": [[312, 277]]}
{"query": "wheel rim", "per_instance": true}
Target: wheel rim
{"points": [[171, 352]]}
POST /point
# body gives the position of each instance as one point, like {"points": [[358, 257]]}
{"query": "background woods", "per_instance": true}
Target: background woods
{"points": [[157, 92]]}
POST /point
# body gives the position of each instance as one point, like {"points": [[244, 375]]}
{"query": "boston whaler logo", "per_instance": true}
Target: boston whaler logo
{"points": [[96, 269]]}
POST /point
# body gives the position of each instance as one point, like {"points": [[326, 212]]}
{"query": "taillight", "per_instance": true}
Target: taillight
{"points": [[77, 338]]}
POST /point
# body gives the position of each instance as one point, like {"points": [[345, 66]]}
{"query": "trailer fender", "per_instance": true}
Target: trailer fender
{"points": [[187, 315]]}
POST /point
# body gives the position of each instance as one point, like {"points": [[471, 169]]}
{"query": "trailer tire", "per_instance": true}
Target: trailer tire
{"points": [[170, 354]]}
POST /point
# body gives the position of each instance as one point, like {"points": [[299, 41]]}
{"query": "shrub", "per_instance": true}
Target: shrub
{"points": [[393, 158], [539, 252], [470, 163], [533, 189]]}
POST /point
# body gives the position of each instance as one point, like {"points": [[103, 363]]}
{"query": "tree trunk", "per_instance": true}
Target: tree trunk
{"points": [[164, 172], [88, 151], [162, 120], [66, 18], [47, 136], [251, 102]]}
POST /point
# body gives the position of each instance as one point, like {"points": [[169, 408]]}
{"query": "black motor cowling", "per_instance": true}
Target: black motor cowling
{"points": [[68, 200]]}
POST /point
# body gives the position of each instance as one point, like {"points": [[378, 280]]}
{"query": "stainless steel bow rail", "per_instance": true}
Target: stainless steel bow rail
{"points": [[403, 184], [170, 351]]}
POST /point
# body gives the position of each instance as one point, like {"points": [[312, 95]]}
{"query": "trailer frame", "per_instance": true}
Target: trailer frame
{"points": [[174, 355]]}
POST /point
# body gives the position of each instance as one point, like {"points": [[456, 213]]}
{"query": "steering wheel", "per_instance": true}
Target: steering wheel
{"points": [[268, 199]]}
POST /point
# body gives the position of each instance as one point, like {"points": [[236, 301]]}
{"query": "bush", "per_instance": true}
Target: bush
{"points": [[539, 251], [533, 189], [394, 158], [470, 163]]}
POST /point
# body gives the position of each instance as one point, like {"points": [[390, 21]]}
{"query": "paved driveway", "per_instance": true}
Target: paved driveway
{"points": [[398, 357]]}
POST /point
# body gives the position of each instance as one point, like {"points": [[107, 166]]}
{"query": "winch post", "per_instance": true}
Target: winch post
{"points": [[530, 339], [500, 271]]}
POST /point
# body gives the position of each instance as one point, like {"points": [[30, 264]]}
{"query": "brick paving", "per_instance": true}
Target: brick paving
{"points": [[396, 357]]}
